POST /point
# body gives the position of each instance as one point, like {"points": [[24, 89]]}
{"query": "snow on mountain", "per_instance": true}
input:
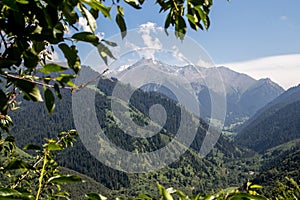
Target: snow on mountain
{"points": [[244, 95]]}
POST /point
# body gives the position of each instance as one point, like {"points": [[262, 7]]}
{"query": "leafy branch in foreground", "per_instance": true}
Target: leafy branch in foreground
{"points": [[31, 32], [38, 178]]}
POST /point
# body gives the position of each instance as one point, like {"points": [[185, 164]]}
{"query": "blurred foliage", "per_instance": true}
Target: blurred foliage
{"points": [[36, 177], [249, 192]]}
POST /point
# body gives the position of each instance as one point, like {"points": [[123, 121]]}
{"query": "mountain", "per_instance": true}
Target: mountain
{"points": [[246, 95], [278, 164], [226, 165], [290, 96], [273, 125], [33, 124], [243, 94]]}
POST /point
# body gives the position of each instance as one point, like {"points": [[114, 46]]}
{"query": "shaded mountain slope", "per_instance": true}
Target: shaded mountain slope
{"points": [[275, 124], [279, 163], [33, 124]]}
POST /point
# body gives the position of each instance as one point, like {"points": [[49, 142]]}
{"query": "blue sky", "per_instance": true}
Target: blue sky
{"points": [[240, 29], [242, 32]]}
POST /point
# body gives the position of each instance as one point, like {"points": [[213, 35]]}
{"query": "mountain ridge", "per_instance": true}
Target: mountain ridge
{"points": [[244, 94], [278, 120], [227, 164]]}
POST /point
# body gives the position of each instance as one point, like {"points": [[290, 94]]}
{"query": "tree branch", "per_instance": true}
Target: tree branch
{"points": [[36, 82], [39, 160], [52, 86]]}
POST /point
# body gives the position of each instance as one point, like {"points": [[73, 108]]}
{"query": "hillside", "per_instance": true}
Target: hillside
{"points": [[290, 96], [89, 185], [275, 124], [226, 165], [213, 171], [279, 163]]}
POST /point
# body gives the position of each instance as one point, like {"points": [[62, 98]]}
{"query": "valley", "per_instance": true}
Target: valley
{"points": [[265, 145]]}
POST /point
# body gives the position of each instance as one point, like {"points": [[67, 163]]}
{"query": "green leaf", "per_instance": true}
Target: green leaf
{"points": [[3, 102], [255, 186], [70, 14], [31, 59], [52, 67], [65, 179], [164, 192], [120, 10], [86, 37], [122, 25], [192, 21], [5, 123], [141, 1], [112, 44], [229, 190], [180, 28], [66, 79], [58, 31], [63, 194], [4, 192], [10, 194], [90, 18], [203, 16], [53, 147], [17, 164], [31, 147], [181, 195], [10, 139], [94, 196], [30, 90], [104, 52], [38, 46], [167, 23], [99, 6], [57, 91], [133, 3], [70, 54], [145, 196], [246, 196], [49, 100], [22, 1]]}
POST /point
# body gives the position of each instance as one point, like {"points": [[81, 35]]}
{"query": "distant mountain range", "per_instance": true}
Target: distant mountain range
{"points": [[279, 120], [270, 132], [33, 124], [244, 95]]}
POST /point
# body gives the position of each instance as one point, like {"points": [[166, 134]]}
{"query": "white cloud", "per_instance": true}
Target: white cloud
{"points": [[142, 52], [205, 63], [150, 26], [55, 57], [82, 24], [177, 54], [282, 69], [147, 31], [131, 46], [100, 35], [146, 42]]}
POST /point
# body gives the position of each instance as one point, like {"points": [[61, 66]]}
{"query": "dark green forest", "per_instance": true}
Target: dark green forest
{"points": [[230, 163]]}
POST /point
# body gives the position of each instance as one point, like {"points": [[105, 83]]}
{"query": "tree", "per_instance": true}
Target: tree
{"points": [[30, 33], [31, 30]]}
